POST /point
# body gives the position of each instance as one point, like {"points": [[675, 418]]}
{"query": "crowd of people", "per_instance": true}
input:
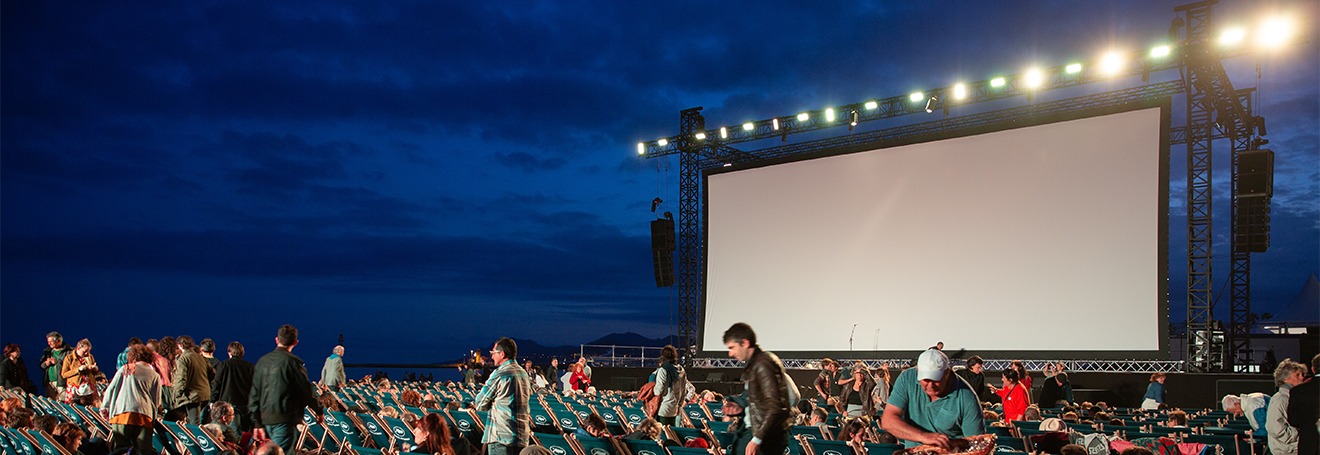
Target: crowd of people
{"points": [[257, 408]]}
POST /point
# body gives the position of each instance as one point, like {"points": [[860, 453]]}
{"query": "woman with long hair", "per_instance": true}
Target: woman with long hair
{"points": [[1023, 377], [579, 380], [855, 399], [432, 436], [1154, 392], [164, 352], [132, 401]]}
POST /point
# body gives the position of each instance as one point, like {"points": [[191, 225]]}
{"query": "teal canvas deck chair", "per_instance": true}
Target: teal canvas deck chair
{"points": [[399, 430], [205, 442], [679, 450], [178, 434], [808, 431], [556, 444], [316, 436], [643, 447], [882, 449], [633, 415], [466, 423], [596, 446], [613, 421], [45, 444], [683, 435], [568, 420], [342, 426]]}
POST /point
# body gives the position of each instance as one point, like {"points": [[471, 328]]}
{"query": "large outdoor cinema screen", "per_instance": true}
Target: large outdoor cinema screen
{"points": [[1041, 239]]}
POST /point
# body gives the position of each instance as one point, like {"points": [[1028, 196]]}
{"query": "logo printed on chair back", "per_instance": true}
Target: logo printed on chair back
{"points": [[204, 443], [645, 452], [832, 452], [399, 432], [567, 422], [599, 451], [373, 428], [635, 418], [809, 436], [464, 425], [557, 450], [541, 420]]}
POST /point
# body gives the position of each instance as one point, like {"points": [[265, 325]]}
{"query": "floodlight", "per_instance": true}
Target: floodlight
{"points": [[803, 117], [776, 122], [1112, 63], [872, 105], [1232, 36], [916, 97], [997, 82], [663, 142], [641, 148], [959, 91], [1073, 68], [1034, 78], [1274, 32], [701, 136], [930, 103], [750, 126], [1159, 51], [829, 115], [724, 133]]}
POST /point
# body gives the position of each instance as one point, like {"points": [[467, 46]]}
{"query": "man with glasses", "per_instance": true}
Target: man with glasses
{"points": [[505, 395]]}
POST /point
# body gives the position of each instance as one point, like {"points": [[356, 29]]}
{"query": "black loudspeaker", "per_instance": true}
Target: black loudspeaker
{"points": [[662, 251], [1253, 224], [1256, 173]]}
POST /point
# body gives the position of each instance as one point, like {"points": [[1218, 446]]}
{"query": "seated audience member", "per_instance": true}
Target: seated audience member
{"points": [[1054, 440], [1053, 424], [886, 438], [389, 411], [330, 403], [1253, 406], [222, 414], [1102, 416], [990, 416], [1177, 419], [854, 431], [1117, 422], [1070, 417], [217, 433], [801, 417], [1032, 414], [20, 418], [68, 435], [45, 423], [431, 436], [430, 404], [1073, 449], [818, 417], [593, 426], [269, 448], [411, 398]]}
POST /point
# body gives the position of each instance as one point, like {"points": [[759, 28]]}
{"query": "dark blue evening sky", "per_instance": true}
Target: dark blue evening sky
{"points": [[423, 177]]}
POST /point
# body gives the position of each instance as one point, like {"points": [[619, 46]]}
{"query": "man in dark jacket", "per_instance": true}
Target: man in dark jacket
{"points": [[191, 376], [767, 391], [1304, 410], [13, 373], [975, 378], [52, 359], [280, 392], [233, 385]]}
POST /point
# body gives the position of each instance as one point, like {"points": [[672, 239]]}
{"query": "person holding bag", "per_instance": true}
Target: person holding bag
{"points": [[79, 372]]}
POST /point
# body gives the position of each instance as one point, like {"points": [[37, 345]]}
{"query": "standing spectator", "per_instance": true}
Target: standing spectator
{"points": [[768, 391], [1253, 406], [670, 385], [1023, 376], [132, 401], [192, 382], [827, 382], [1056, 388], [505, 395], [280, 391], [166, 350], [1282, 438], [579, 380], [1013, 395], [123, 356], [975, 377], [332, 374], [79, 373], [856, 396], [13, 372], [208, 352], [52, 361], [929, 405], [1154, 392], [880, 393], [553, 374], [1303, 411]]}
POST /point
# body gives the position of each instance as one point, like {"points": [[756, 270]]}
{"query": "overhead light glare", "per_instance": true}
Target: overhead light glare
{"points": [[1112, 63], [1159, 51], [829, 115], [701, 136], [872, 105], [1232, 36], [641, 148], [663, 142], [724, 133], [1073, 68], [1034, 78], [1274, 32], [803, 117], [750, 126], [997, 82], [916, 97], [776, 123], [959, 91]]}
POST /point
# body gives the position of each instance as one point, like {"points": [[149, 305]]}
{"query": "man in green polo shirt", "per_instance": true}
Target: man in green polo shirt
{"points": [[930, 404]]}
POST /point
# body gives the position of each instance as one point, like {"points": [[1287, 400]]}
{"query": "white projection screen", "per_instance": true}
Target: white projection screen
{"points": [[1044, 238]]}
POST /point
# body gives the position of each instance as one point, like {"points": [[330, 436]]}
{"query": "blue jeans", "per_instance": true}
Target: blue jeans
{"points": [[284, 435]]}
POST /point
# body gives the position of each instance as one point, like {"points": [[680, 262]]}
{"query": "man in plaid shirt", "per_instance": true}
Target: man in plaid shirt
{"points": [[505, 396]]}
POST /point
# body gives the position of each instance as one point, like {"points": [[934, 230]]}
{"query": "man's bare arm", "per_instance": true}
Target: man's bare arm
{"points": [[893, 422]]}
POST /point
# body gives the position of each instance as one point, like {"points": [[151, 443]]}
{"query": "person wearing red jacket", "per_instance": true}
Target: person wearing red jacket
{"points": [[1014, 396]]}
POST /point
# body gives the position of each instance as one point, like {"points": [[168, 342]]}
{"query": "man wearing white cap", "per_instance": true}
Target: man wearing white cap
{"points": [[930, 404]]}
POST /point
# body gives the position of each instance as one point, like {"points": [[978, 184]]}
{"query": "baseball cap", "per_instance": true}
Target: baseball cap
{"points": [[931, 365]]}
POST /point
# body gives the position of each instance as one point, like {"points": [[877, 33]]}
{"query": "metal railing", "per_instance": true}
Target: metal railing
{"points": [[620, 356]]}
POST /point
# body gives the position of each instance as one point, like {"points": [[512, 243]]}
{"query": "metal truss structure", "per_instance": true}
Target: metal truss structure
{"points": [[1099, 366], [1214, 111]]}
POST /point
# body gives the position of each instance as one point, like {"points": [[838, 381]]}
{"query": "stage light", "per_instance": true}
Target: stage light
{"points": [[1073, 68], [1232, 36], [803, 117], [997, 82], [853, 122], [1274, 32], [872, 105], [701, 136], [1034, 78], [959, 91], [750, 126], [1111, 63], [931, 103], [776, 123], [1159, 51], [916, 97], [641, 148], [724, 133], [829, 115], [663, 142]]}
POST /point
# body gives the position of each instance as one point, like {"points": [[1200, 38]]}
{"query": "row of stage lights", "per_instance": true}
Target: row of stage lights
{"points": [[1273, 33]]}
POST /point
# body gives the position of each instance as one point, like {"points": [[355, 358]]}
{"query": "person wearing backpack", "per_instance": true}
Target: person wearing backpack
{"points": [[670, 385]]}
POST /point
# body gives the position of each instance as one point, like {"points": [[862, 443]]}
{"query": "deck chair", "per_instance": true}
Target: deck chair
{"points": [[401, 436], [1227, 444], [809, 431], [43, 442], [466, 423], [726, 440], [568, 420], [316, 436], [366, 451], [613, 420], [683, 435], [679, 450], [179, 435], [716, 409], [376, 430], [696, 411], [343, 427], [882, 449], [633, 416], [6, 446], [543, 418], [556, 444], [205, 442], [587, 445], [824, 447], [643, 447]]}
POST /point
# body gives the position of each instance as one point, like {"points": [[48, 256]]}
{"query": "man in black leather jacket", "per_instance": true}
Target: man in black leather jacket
{"points": [[767, 391]]}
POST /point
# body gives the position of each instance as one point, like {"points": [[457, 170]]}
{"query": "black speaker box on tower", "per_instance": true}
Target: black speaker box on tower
{"points": [[1256, 173], [662, 250]]}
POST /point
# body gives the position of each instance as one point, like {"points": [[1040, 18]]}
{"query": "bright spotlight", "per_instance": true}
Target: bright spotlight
{"points": [[803, 117], [1274, 32], [1034, 78], [641, 148], [959, 91], [1159, 51], [872, 105], [724, 133], [1232, 36], [776, 123], [829, 115], [1073, 68], [997, 82], [663, 142], [916, 97], [701, 136], [1112, 63], [750, 126]]}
